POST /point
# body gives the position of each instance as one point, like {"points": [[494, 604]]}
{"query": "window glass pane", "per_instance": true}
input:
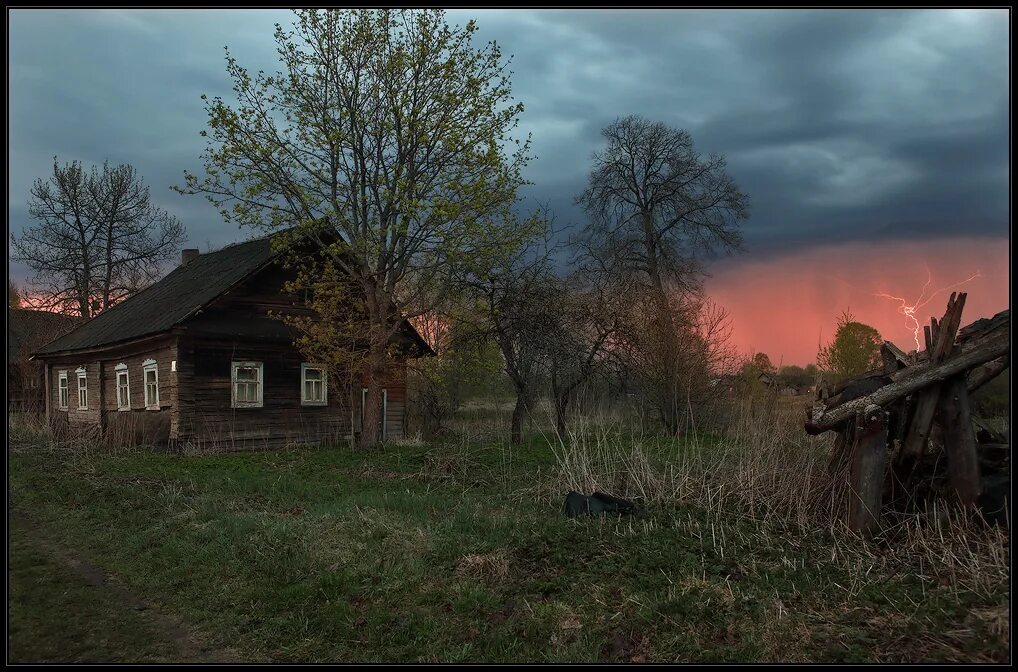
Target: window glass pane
{"points": [[150, 376], [247, 373], [312, 374]]}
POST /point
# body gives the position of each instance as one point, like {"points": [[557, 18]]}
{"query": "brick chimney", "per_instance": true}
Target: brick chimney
{"points": [[187, 255]]}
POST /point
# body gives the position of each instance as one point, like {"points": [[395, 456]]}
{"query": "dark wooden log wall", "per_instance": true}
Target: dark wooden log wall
{"points": [[207, 419]]}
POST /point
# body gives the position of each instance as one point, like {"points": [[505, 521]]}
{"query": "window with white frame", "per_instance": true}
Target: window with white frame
{"points": [[247, 384], [63, 392], [123, 388], [313, 386], [150, 378], [82, 388]]}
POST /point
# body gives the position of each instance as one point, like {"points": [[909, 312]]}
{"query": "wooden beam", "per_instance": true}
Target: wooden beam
{"points": [[987, 372], [918, 432], [960, 441], [868, 461], [894, 358], [822, 418]]}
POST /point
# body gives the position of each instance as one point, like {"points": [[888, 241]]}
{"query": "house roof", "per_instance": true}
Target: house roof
{"points": [[166, 303], [30, 329], [181, 293]]}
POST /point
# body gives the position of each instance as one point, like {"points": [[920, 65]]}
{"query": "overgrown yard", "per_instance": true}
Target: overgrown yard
{"points": [[456, 552]]}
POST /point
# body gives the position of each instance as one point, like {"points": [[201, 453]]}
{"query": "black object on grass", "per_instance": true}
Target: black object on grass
{"points": [[599, 502]]}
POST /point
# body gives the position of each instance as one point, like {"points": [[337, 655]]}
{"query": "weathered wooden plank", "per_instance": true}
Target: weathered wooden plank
{"points": [[980, 376], [823, 418], [960, 441], [894, 358], [837, 462], [926, 404], [868, 461]]}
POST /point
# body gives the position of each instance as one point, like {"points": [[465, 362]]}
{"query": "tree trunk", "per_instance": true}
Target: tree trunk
{"points": [[666, 342], [561, 403], [371, 427], [521, 409]]}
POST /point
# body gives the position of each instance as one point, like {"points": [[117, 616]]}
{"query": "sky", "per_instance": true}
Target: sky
{"points": [[873, 143]]}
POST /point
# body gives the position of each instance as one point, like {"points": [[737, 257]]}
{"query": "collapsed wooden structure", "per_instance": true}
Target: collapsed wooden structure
{"points": [[896, 424]]}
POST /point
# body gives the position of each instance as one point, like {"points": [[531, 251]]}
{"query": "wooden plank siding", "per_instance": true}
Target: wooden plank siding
{"points": [[207, 419], [138, 425]]}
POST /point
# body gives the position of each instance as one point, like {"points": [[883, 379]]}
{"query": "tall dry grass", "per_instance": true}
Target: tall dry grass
{"points": [[764, 468]]}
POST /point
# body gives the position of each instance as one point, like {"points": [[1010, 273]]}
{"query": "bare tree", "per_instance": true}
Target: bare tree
{"points": [[390, 127], [517, 294], [98, 240], [588, 315], [656, 207]]}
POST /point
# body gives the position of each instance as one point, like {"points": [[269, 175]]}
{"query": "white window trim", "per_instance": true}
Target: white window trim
{"points": [[122, 369], [146, 366], [304, 401], [385, 408], [233, 384], [62, 403], [82, 374]]}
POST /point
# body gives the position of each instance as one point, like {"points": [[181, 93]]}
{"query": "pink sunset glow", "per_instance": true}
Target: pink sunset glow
{"points": [[785, 305]]}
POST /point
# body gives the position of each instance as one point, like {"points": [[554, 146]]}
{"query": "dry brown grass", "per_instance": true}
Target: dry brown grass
{"points": [[489, 567], [765, 469]]}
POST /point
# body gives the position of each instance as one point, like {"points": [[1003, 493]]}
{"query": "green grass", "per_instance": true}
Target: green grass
{"points": [[449, 553], [63, 610]]}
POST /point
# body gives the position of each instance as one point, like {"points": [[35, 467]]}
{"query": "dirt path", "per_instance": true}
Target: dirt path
{"points": [[183, 643]]}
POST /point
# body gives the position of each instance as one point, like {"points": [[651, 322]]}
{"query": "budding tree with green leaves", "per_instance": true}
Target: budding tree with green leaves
{"points": [[854, 350], [387, 141]]}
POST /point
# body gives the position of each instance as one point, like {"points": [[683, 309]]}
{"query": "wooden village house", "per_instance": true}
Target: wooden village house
{"points": [[201, 360]]}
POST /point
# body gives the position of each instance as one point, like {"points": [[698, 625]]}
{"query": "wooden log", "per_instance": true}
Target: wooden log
{"points": [[918, 432], [987, 372], [868, 461], [894, 358], [955, 419], [823, 418], [837, 462]]}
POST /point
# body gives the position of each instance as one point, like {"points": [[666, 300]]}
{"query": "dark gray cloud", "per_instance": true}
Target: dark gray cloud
{"points": [[840, 124]]}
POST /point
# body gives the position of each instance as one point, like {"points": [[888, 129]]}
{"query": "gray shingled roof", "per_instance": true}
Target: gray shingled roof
{"points": [[169, 301]]}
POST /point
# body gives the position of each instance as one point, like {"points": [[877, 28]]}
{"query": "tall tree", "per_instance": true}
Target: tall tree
{"points": [[854, 350], [519, 294], [658, 205], [388, 129], [589, 310], [98, 240]]}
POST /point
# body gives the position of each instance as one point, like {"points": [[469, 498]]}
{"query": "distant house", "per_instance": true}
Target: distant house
{"points": [[197, 360], [29, 330]]}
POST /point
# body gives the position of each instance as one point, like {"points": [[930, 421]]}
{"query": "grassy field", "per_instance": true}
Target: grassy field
{"points": [[459, 552]]}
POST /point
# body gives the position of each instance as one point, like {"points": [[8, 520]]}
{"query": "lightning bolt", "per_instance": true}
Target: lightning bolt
{"points": [[909, 310]]}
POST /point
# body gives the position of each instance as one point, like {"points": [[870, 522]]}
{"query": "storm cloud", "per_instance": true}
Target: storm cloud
{"points": [[842, 125]]}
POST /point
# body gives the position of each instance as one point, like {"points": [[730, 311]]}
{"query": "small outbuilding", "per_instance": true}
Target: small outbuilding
{"points": [[29, 330]]}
